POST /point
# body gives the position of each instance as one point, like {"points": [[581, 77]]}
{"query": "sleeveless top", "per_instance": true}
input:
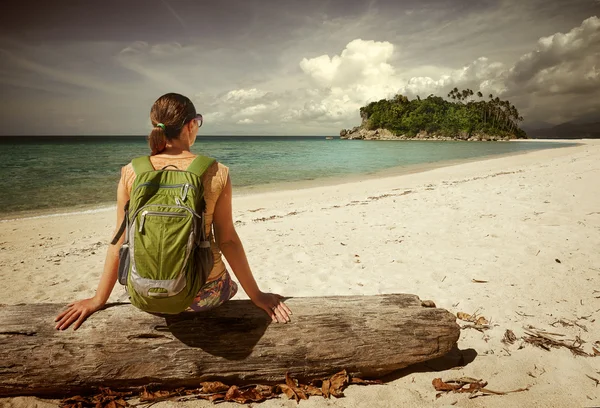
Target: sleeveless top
{"points": [[213, 181]]}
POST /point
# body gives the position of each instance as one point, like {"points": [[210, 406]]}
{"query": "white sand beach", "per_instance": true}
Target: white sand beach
{"points": [[527, 225]]}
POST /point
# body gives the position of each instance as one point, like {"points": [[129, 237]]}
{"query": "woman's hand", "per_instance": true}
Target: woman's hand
{"points": [[272, 304], [77, 312]]}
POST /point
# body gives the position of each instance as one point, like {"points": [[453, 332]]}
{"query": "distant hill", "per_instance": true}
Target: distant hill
{"points": [[568, 130]]}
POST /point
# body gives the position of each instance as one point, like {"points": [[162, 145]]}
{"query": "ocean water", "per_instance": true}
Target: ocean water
{"points": [[41, 174]]}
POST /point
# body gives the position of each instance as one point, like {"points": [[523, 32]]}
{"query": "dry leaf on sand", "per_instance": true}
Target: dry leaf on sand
{"points": [[213, 387], [339, 381], [464, 316], [509, 337], [105, 399], [482, 320], [475, 387]]}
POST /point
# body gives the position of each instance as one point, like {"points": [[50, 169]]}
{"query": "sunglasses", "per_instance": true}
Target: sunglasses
{"points": [[198, 118]]}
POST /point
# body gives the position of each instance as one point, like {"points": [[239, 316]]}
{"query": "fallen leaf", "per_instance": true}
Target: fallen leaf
{"points": [[105, 399], [439, 385], [245, 396], [476, 388], [509, 337], [215, 397], [472, 387], [325, 388], [339, 381], [214, 386], [287, 391], [312, 390], [266, 390], [291, 389], [464, 316], [147, 396], [481, 321]]}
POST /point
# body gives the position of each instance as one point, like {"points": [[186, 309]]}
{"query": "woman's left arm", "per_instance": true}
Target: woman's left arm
{"points": [[231, 246]]}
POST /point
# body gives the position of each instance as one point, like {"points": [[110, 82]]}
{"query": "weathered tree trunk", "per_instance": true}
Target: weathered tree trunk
{"points": [[123, 348]]}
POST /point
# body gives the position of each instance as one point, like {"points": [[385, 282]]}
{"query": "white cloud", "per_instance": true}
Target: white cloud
{"points": [[258, 109], [561, 63], [360, 61], [558, 48], [246, 121], [244, 95]]}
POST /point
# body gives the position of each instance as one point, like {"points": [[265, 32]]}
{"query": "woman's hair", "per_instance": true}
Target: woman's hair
{"points": [[169, 114]]}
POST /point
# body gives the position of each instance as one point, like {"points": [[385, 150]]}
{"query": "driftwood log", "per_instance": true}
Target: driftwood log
{"points": [[123, 348]]}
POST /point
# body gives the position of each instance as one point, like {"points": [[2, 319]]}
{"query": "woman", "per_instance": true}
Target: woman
{"points": [[176, 125]]}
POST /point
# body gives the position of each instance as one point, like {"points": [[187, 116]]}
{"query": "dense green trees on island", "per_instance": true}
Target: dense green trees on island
{"points": [[467, 115]]}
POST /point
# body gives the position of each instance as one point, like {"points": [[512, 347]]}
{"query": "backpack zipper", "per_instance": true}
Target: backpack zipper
{"points": [[185, 191], [159, 214], [185, 186], [180, 207]]}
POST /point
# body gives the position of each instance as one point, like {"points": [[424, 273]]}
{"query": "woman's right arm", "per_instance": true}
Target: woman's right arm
{"points": [[78, 311]]}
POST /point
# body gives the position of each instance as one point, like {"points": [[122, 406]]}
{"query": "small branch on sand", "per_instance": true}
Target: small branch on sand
{"points": [[593, 379], [569, 323], [543, 339], [479, 327], [480, 323]]}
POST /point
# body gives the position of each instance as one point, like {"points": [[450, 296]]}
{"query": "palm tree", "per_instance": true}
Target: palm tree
{"points": [[465, 93]]}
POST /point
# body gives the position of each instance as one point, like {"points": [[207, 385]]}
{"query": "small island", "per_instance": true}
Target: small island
{"points": [[466, 117]]}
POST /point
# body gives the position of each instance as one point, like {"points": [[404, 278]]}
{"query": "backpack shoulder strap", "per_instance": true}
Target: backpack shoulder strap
{"points": [[200, 165], [142, 165]]}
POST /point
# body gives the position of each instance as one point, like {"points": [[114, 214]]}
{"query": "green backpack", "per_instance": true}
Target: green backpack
{"points": [[166, 256]]}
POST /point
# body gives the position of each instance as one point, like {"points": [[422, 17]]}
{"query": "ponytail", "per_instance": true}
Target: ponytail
{"points": [[168, 115], [157, 140]]}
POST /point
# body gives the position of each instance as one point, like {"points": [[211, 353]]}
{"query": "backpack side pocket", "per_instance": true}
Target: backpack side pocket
{"points": [[124, 259]]}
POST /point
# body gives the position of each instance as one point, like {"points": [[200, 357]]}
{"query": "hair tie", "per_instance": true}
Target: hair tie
{"points": [[160, 125]]}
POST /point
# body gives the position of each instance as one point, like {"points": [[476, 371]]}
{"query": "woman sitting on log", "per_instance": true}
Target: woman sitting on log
{"points": [[176, 125]]}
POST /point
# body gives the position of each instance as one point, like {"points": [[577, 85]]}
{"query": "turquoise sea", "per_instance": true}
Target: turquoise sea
{"points": [[56, 174]]}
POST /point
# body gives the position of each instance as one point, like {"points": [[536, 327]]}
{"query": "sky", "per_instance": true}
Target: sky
{"points": [[287, 67]]}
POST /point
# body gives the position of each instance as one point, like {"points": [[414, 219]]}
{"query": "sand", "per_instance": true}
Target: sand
{"points": [[528, 225]]}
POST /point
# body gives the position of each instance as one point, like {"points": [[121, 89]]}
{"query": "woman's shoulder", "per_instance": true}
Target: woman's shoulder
{"points": [[219, 167], [127, 170], [217, 172]]}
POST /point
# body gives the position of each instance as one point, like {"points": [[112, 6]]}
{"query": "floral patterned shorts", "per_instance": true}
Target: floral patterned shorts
{"points": [[214, 293]]}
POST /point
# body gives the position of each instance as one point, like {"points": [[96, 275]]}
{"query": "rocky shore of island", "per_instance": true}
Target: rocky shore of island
{"points": [[361, 133]]}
